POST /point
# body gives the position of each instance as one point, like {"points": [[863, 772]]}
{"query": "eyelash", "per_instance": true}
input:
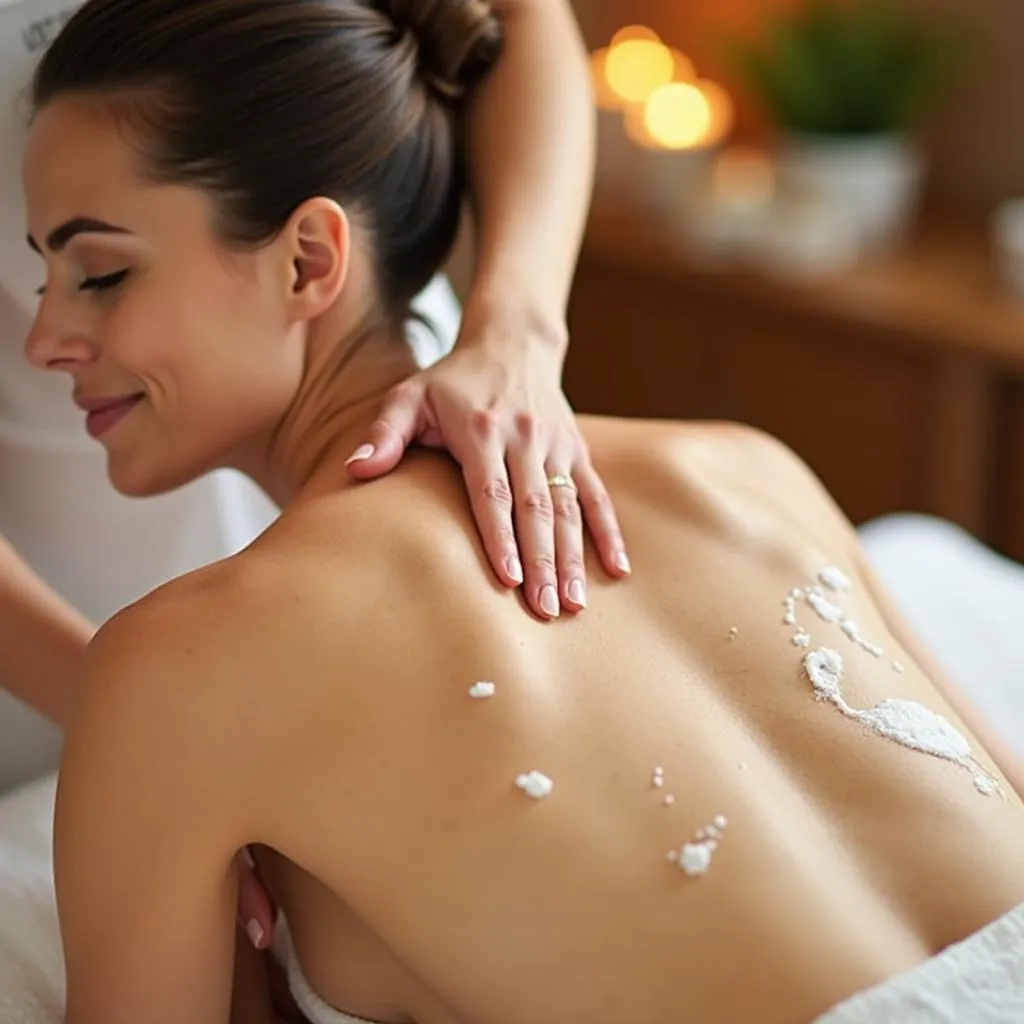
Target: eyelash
{"points": [[102, 283]]}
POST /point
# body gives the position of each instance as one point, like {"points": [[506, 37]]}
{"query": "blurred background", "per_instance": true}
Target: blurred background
{"points": [[805, 220]]}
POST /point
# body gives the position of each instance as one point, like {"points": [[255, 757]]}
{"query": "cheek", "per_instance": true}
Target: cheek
{"points": [[224, 337]]}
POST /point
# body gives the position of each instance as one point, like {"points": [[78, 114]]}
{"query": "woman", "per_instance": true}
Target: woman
{"points": [[529, 154], [639, 814], [529, 183]]}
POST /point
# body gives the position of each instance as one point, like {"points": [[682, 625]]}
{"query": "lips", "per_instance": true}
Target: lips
{"points": [[103, 413]]}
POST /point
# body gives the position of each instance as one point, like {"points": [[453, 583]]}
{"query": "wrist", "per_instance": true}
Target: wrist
{"points": [[504, 314]]}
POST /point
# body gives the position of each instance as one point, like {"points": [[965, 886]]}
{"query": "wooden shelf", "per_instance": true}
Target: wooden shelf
{"points": [[941, 289], [900, 381]]}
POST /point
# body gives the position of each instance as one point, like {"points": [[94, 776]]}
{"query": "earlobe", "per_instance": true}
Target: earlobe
{"points": [[319, 241]]}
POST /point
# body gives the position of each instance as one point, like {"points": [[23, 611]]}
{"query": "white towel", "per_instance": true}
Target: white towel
{"points": [[31, 959], [977, 981]]}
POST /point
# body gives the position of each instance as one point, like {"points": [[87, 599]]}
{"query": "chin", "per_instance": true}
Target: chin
{"points": [[135, 479]]}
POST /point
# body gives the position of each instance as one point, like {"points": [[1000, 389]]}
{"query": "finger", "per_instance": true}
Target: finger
{"points": [[533, 512], [257, 913], [600, 519], [569, 564], [391, 433], [483, 467]]}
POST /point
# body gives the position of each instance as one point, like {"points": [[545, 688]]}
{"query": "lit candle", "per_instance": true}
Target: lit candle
{"points": [[636, 67]]}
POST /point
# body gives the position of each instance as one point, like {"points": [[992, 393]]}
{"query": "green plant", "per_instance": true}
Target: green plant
{"points": [[849, 67]]}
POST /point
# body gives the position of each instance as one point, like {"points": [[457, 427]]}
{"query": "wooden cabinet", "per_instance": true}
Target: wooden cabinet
{"points": [[901, 383]]}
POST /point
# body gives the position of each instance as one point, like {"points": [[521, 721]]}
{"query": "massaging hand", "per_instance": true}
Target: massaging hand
{"points": [[257, 914], [496, 404]]}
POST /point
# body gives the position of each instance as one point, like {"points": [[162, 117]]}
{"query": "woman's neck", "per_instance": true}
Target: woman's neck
{"points": [[339, 398]]}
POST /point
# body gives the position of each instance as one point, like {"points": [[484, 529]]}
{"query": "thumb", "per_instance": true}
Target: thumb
{"points": [[391, 433]]}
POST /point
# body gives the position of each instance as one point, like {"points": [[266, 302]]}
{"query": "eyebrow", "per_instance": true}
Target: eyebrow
{"points": [[59, 237]]}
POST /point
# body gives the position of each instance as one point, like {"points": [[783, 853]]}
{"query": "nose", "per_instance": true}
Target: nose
{"points": [[54, 344]]}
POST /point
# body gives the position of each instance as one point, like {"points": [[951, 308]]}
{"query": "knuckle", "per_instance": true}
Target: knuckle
{"points": [[496, 491], [597, 503], [544, 563], [527, 426], [539, 505], [571, 564], [567, 509], [483, 423], [506, 538]]}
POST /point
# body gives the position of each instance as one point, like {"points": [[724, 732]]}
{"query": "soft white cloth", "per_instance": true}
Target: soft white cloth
{"points": [[977, 981], [31, 960], [313, 1008], [965, 602]]}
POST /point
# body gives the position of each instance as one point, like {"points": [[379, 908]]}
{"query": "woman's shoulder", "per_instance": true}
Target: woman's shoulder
{"points": [[693, 453], [185, 636], [662, 441]]}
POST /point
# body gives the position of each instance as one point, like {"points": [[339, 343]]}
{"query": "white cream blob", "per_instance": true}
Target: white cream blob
{"points": [[833, 578], [535, 784], [906, 722]]}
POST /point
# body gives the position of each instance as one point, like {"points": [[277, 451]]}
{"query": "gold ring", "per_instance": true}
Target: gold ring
{"points": [[561, 480]]}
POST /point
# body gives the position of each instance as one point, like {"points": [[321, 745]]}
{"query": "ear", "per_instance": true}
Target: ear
{"points": [[317, 240]]}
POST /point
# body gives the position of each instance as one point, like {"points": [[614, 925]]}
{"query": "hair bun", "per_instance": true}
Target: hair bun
{"points": [[458, 40]]}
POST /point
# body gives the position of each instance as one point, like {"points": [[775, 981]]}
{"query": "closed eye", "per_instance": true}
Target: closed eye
{"points": [[97, 284]]}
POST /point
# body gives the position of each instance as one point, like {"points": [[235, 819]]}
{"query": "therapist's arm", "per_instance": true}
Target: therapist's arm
{"points": [[531, 130], [42, 640], [496, 403]]}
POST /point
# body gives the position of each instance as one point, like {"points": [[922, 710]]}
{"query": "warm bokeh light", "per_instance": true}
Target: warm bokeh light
{"points": [[721, 107], [636, 129], [683, 69], [630, 32], [605, 95], [655, 87], [678, 116], [636, 68]]}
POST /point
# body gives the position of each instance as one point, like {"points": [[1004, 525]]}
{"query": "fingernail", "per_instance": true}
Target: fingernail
{"points": [[255, 932], [514, 568], [361, 454], [622, 562], [549, 602], [578, 593]]}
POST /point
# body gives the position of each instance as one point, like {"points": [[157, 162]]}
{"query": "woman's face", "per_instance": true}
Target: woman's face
{"points": [[181, 350]]}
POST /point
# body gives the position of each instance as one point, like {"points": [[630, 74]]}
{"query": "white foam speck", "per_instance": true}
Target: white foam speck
{"points": [[824, 608], [833, 578], [535, 784], [824, 668], [695, 858], [481, 690]]}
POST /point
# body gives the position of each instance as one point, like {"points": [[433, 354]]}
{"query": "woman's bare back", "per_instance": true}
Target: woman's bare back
{"points": [[421, 882]]}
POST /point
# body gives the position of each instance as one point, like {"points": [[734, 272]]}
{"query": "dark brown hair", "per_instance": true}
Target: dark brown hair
{"points": [[266, 103]]}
